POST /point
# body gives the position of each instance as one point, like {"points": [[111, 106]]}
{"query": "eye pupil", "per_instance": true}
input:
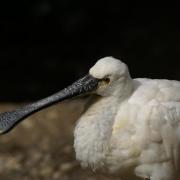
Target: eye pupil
{"points": [[106, 80]]}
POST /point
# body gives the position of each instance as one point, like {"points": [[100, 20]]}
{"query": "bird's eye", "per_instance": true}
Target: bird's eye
{"points": [[106, 80]]}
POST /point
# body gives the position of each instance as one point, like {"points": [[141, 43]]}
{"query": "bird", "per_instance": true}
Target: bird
{"points": [[129, 128]]}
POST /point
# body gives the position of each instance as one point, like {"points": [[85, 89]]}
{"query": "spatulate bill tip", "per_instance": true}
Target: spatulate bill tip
{"points": [[3, 131], [7, 121]]}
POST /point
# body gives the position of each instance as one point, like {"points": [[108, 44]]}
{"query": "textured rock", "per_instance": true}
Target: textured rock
{"points": [[41, 147]]}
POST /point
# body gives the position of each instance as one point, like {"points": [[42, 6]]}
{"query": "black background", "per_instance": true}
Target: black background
{"points": [[45, 45]]}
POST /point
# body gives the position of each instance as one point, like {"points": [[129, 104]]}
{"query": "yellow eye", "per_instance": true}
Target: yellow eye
{"points": [[106, 80]]}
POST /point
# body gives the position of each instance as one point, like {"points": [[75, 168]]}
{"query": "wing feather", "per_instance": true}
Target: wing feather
{"points": [[165, 123]]}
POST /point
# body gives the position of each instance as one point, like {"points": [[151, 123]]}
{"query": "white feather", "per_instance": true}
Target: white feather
{"points": [[132, 128]]}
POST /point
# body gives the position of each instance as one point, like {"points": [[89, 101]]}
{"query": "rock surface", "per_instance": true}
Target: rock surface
{"points": [[41, 147]]}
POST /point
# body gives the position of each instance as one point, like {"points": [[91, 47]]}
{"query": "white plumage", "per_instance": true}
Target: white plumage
{"points": [[130, 127]]}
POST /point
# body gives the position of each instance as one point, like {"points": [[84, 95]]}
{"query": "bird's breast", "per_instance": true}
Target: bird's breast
{"points": [[93, 132], [124, 143]]}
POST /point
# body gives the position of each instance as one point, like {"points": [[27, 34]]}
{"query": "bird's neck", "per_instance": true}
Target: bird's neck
{"points": [[93, 131], [124, 89]]}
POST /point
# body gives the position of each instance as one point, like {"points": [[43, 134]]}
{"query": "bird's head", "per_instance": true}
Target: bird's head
{"points": [[107, 77], [112, 74]]}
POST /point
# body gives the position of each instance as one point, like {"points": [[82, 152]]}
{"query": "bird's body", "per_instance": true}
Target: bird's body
{"points": [[134, 133]]}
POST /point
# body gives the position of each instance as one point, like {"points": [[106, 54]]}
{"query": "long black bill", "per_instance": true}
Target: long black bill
{"points": [[8, 120]]}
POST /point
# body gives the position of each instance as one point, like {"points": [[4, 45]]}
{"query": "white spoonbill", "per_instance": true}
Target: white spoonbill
{"points": [[129, 128]]}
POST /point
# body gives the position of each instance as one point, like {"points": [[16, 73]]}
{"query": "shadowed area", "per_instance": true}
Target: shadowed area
{"points": [[46, 45]]}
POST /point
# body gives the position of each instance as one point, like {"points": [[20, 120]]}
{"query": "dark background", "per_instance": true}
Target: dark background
{"points": [[45, 44]]}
